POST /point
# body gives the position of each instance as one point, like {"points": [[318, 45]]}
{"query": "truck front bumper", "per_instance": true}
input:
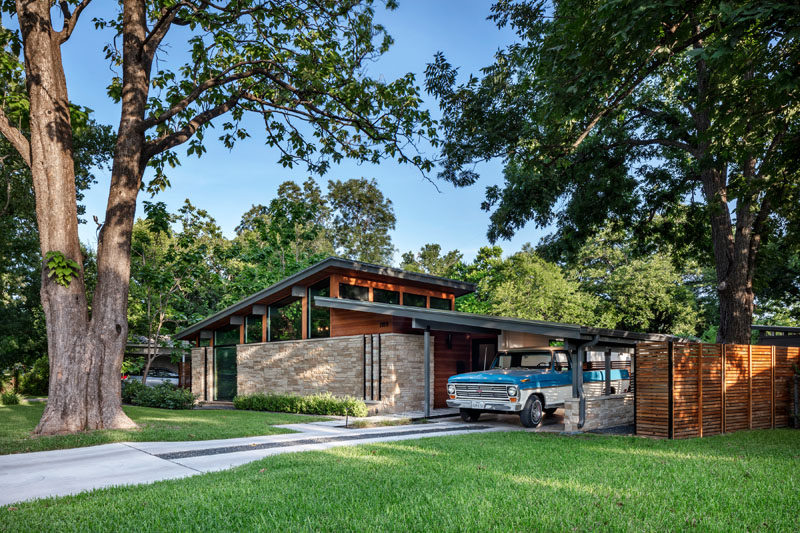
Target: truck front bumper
{"points": [[485, 405]]}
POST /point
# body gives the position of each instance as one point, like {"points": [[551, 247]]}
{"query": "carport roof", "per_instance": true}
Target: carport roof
{"points": [[443, 320]]}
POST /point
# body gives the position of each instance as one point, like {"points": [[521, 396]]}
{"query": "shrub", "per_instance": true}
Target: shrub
{"points": [[36, 380], [129, 390], [9, 398], [164, 396], [316, 404]]}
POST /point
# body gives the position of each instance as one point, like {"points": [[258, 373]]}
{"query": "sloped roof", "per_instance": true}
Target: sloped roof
{"points": [[458, 288]]}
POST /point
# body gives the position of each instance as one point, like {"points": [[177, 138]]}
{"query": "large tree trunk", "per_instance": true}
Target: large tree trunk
{"points": [[734, 251], [85, 356]]}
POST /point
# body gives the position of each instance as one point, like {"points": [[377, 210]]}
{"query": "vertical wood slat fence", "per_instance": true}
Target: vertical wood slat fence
{"points": [[696, 389]]}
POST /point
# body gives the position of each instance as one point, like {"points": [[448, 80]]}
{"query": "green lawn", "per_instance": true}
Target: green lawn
{"points": [[500, 481], [17, 422]]}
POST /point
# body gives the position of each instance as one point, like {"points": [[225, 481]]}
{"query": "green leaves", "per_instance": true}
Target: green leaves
{"points": [[61, 268]]}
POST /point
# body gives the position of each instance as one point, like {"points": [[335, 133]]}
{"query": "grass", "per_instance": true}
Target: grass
{"points": [[18, 421], [494, 481]]}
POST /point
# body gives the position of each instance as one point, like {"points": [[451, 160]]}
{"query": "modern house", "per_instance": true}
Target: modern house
{"points": [[386, 335]]}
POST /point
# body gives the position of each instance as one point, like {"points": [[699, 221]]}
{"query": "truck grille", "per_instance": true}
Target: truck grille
{"points": [[479, 391]]}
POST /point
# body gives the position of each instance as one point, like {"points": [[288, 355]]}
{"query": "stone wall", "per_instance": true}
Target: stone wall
{"points": [[336, 365], [601, 412], [198, 375]]}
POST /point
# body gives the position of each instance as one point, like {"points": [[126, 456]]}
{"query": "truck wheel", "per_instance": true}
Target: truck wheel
{"points": [[550, 411], [531, 415], [470, 415]]}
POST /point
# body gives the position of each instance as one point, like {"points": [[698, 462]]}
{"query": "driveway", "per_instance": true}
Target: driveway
{"points": [[60, 472]]}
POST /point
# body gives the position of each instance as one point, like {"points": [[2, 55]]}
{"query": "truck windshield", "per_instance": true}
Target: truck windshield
{"points": [[523, 360]]}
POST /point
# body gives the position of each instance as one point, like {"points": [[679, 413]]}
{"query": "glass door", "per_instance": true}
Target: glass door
{"points": [[224, 373]]}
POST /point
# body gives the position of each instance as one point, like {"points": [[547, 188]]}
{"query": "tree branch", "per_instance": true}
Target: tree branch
{"points": [[70, 19], [160, 29], [210, 83], [16, 138], [649, 142], [167, 141], [625, 91]]}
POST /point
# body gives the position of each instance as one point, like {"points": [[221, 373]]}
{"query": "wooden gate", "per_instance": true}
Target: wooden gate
{"points": [[697, 389]]}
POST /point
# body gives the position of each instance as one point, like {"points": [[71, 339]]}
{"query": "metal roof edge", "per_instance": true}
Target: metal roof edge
{"points": [[455, 317]]}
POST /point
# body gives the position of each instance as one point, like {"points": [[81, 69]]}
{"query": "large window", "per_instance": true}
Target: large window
{"points": [[286, 321], [414, 300], [319, 318], [354, 292], [204, 342], [441, 303], [227, 336], [252, 329], [385, 297]]}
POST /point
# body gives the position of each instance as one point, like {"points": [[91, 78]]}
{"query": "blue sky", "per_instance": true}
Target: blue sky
{"points": [[227, 183]]}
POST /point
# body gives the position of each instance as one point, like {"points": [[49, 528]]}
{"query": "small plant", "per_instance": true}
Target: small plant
{"points": [[9, 398], [316, 404], [61, 268]]}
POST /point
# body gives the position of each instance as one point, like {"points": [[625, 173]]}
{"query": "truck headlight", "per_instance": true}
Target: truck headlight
{"points": [[451, 389], [512, 390]]}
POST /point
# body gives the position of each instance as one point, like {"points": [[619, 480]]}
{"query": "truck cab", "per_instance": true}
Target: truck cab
{"points": [[531, 382]]}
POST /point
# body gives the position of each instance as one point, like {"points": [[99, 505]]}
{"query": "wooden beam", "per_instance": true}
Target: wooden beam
{"points": [[264, 322], [670, 398], [724, 388], [772, 386], [304, 317], [241, 333], [700, 385], [750, 386]]}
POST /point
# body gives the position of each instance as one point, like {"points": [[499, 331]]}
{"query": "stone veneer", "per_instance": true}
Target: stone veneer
{"points": [[198, 375], [334, 365], [601, 412]]}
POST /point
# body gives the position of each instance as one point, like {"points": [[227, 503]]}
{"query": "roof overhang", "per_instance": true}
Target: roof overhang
{"points": [[440, 320], [780, 329]]}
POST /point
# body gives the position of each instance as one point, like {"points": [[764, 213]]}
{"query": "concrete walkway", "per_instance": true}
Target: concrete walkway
{"points": [[29, 476]]}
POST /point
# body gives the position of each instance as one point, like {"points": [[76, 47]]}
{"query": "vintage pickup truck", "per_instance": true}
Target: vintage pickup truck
{"points": [[531, 382]]}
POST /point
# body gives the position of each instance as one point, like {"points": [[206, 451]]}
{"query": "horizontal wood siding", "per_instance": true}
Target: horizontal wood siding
{"points": [[652, 390], [715, 388], [345, 323]]}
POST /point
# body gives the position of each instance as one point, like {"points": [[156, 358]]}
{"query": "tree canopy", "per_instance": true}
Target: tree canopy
{"points": [[299, 68], [675, 120]]}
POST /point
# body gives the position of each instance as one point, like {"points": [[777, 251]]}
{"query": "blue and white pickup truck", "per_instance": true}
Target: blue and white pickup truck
{"points": [[531, 382]]}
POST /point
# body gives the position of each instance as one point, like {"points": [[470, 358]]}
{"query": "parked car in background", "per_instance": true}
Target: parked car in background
{"points": [[156, 376], [532, 382]]}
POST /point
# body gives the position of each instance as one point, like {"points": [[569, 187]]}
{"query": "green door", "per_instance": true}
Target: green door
{"points": [[224, 373]]}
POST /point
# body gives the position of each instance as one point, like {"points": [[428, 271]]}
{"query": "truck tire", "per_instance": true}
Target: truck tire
{"points": [[531, 415], [470, 415]]}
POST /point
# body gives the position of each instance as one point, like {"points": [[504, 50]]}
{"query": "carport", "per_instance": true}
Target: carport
{"points": [[511, 333]]}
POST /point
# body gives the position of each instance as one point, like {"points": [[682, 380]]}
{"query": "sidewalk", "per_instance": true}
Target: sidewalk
{"points": [[60, 472]]}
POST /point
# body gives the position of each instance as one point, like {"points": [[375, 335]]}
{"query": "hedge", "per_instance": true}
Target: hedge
{"points": [[163, 396], [316, 404]]}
